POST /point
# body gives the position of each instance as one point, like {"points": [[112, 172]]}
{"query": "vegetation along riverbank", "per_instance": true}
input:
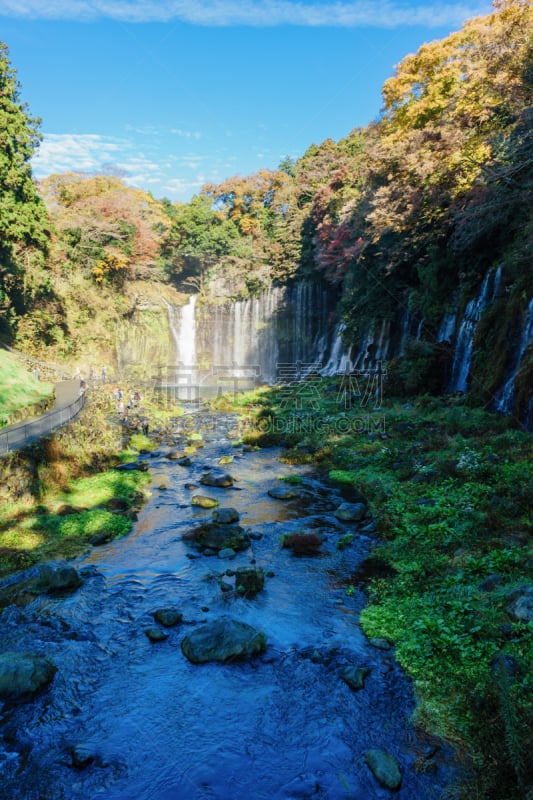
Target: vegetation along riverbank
{"points": [[449, 581]]}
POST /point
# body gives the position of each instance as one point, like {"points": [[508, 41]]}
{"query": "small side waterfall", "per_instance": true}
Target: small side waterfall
{"points": [[339, 360], [465, 337], [505, 398]]}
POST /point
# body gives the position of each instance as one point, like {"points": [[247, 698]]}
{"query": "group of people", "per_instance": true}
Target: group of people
{"points": [[125, 405]]}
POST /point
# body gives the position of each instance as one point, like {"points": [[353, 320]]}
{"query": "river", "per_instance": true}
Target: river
{"points": [[281, 725]]}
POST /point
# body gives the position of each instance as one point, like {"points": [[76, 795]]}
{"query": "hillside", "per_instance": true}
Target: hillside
{"points": [[404, 220], [21, 393]]}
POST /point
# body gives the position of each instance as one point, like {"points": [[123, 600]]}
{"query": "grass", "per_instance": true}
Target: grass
{"points": [[451, 490], [20, 392], [67, 490]]}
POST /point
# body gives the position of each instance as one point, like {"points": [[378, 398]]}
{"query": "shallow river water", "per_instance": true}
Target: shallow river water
{"points": [[281, 725]]}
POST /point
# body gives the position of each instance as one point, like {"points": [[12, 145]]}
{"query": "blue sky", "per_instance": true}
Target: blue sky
{"points": [[177, 93]]}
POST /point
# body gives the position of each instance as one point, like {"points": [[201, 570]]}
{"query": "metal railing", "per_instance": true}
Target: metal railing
{"points": [[18, 436]]}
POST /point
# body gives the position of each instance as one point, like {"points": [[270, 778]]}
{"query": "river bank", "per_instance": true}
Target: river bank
{"points": [[444, 564]]}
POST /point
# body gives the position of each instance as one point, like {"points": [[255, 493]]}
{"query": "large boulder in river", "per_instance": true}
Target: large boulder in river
{"points": [[218, 537], [218, 478], [223, 639], [385, 768], [58, 577], [23, 674]]}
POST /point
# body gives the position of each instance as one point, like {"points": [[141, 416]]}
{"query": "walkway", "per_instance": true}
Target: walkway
{"points": [[69, 403]]}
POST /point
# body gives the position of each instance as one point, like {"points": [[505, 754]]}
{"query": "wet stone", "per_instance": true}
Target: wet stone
{"points": [[248, 582], [385, 768], [218, 537], [223, 640], [24, 674], [225, 516], [168, 617], [350, 512], [283, 493], [101, 538], [156, 634], [227, 552], [203, 502], [82, 756], [58, 577], [302, 544], [355, 676], [217, 478], [379, 643]]}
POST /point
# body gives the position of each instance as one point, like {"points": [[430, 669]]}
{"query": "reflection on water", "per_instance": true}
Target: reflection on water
{"points": [[159, 728]]}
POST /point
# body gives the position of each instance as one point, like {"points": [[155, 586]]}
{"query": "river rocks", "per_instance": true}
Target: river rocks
{"points": [[284, 493], [355, 676], [385, 768], [217, 478], [216, 537], [156, 634], [222, 640], [168, 617], [225, 516], [379, 643], [248, 582], [350, 512], [521, 606], [302, 544], [82, 756], [101, 538], [175, 455], [141, 466], [23, 674], [227, 553], [203, 502], [58, 577]]}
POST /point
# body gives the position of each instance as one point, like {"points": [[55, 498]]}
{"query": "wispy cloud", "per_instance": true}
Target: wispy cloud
{"points": [[256, 13], [171, 175]]}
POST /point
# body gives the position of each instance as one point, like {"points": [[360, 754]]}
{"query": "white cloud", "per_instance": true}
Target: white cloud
{"points": [[256, 13], [93, 153], [68, 152]]}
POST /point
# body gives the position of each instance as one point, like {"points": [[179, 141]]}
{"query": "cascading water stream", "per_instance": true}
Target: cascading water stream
{"points": [[465, 338], [505, 399]]}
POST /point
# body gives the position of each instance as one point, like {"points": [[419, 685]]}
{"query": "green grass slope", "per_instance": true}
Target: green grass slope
{"points": [[21, 395]]}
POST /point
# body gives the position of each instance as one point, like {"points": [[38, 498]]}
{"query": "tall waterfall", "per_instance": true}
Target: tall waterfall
{"points": [[280, 329], [182, 322]]}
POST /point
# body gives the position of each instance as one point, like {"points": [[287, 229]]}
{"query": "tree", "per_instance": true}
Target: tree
{"points": [[24, 225]]}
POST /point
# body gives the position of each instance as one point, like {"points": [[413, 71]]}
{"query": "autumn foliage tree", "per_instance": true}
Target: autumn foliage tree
{"points": [[109, 230]]}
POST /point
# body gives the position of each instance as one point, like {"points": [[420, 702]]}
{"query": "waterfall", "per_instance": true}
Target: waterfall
{"points": [[374, 348], [447, 327], [504, 400], [465, 337], [282, 329], [339, 359]]}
